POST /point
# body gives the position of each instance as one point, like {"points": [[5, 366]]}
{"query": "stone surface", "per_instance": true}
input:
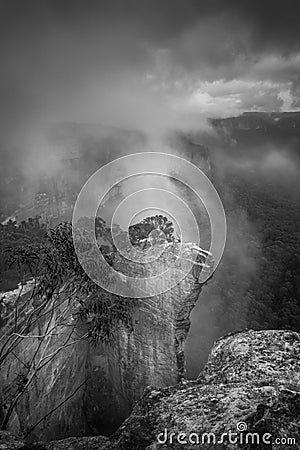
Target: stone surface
{"points": [[10, 442], [77, 443], [251, 380], [250, 384]]}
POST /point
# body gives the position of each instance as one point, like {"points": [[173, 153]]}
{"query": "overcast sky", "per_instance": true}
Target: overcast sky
{"points": [[140, 62]]}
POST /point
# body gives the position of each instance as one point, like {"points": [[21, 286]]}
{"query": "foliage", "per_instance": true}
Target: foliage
{"points": [[258, 280], [257, 283], [139, 233], [61, 293], [18, 238], [50, 257], [275, 289]]}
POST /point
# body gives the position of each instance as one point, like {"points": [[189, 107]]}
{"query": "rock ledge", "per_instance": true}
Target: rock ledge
{"points": [[250, 384]]}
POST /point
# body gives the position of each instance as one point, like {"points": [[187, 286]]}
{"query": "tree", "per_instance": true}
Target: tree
{"points": [[60, 296], [140, 232]]}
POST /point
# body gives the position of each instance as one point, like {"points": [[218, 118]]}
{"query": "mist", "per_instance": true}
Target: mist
{"points": [[141, 66], [106, 79]]}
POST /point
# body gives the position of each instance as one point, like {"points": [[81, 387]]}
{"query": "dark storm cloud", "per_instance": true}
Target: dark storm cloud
{"points": [[103, 58], [229, 27], [274, 25]]}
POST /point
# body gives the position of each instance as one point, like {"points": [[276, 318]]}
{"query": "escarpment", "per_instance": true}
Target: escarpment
{"points": [[247, 397], [102, 382]]}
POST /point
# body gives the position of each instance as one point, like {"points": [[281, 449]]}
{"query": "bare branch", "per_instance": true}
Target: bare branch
{"points": [[54, 409]]}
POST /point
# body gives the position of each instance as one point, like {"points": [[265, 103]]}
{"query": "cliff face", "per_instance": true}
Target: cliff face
{"points": [[250, 387], [114, 375]]}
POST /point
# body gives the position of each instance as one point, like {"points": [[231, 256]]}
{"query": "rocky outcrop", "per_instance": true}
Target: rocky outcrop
{"points": [[152, 353], [115, 375], [250, 386], [10, 442], [247, 397]]}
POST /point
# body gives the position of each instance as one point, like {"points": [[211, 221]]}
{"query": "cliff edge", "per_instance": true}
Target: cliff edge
{"points": [[113, 375], [250, 385], [247, 397]]}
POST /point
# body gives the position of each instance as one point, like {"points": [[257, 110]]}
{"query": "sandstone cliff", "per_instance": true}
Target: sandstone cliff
{"points": [[115, 375], [250, 385]]}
